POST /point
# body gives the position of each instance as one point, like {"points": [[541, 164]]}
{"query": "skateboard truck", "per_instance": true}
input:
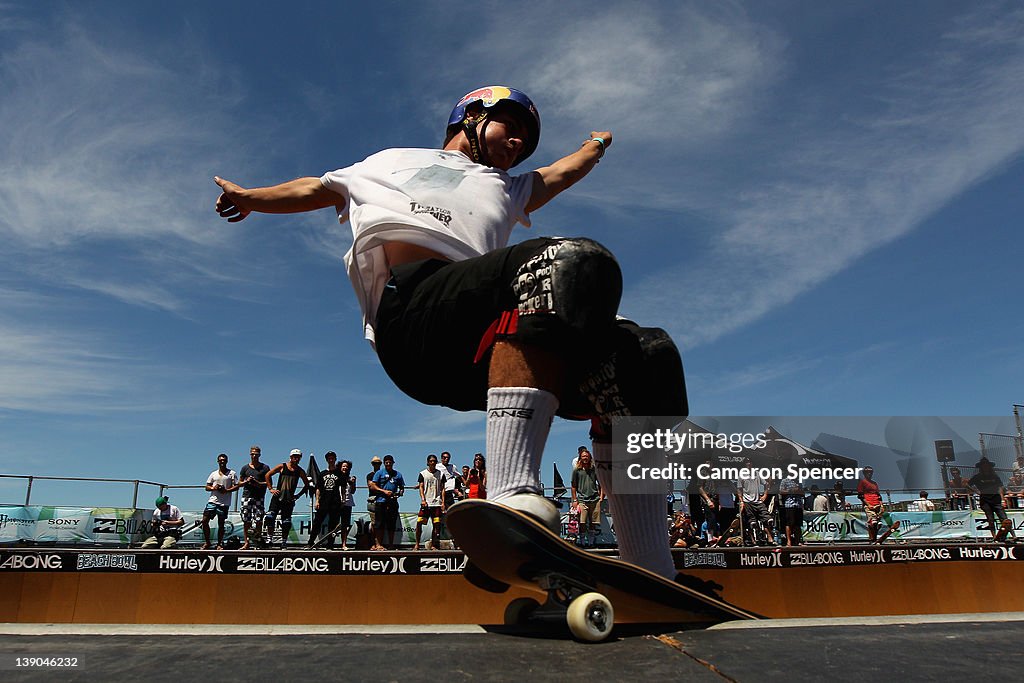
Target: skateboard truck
{"points": [[588, 614]]}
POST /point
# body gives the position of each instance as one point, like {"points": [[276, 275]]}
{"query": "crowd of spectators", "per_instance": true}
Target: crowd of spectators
{"points": [[332, 494], [751, 511]]}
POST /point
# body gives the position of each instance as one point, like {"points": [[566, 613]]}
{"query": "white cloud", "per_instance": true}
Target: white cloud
{"points": [[943, 120], [108, 150]]}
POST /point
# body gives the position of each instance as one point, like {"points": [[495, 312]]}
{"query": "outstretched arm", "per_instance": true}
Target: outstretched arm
{"points": [[550, 181], [294, 196]]}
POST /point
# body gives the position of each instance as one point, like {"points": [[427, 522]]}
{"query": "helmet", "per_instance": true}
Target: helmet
{"points": [[491, 95]]}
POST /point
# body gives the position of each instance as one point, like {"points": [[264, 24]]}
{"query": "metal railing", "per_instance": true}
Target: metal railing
{"points": [[32, 478]]}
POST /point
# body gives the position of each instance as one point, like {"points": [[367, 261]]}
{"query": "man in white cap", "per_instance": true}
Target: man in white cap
{"points": [[283, 495]]}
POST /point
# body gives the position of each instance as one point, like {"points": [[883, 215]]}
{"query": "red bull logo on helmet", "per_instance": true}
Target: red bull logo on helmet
{"points": [[488, 95]]}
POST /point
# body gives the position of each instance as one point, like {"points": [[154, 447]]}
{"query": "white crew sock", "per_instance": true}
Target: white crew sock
{"points": [[518, 422], [641, 525]]}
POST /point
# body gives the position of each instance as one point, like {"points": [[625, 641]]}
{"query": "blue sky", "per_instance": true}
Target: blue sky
{"points": [[820, 201]]}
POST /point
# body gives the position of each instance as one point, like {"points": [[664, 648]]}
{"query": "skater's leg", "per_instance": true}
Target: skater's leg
{"points": [[521, 404]]}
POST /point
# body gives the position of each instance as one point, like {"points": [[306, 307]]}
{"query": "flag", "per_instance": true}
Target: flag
{"points": [[560, 489], [313, 472]]}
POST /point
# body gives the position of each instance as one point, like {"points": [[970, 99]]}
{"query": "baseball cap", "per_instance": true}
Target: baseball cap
{"points": [[295, 451], [162, 500]]}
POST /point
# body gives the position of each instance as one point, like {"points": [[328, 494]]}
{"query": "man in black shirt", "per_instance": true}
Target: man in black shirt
{"points": [[328, 502]]}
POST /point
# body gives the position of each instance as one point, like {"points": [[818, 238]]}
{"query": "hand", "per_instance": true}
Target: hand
{"points": [[605, 135], [231, 202]]}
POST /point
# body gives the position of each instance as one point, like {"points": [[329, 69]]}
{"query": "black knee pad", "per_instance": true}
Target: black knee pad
{"points": [[567, 291], [642, 376]]}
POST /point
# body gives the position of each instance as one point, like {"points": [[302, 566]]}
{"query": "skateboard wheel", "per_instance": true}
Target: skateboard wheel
{"points": [[519, 611], [590, 617]]}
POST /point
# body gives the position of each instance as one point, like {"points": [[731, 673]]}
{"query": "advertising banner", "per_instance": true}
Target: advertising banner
{"points": [[72, 525]]}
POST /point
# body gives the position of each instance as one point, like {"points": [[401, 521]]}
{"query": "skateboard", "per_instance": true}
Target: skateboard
{"points": [[893, 527], [586, 591], [1005, 527], [330, 535]]}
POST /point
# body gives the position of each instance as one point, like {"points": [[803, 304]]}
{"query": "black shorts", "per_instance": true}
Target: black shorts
{"points": [[281, 509], [387, 516], [436, 319], [757, 510]]}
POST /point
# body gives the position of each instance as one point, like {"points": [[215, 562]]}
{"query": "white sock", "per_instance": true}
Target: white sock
{"points": [[641, 525], [518, 422]]}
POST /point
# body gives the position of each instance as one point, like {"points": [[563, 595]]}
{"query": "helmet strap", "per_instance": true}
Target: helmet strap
{"points": [[476, 150]]}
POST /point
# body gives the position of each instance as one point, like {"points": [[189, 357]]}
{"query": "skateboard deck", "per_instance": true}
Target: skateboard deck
{"points": [[572, 527], [508, 548], [888, 532]]}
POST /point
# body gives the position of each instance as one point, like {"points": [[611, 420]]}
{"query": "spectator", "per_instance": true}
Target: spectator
{"points": [[991, 493], [431, 485], [221, 482], [726, 499], [709, 501], [387, 485], [753, 504], [346, 491], [452, 480], [474, 489], [682, 533], [1015, 491], [371, 499], [819, 501], [254, 490], [167, 523], [922, 504], [452, 486], [465, 481], [958, 490], [837, 499], [707, 535], [867, 491], [480, 465], [283, 497], [587, 495], [327, 505], [792, 511]]}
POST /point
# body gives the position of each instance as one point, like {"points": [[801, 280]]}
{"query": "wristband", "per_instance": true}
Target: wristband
{"points": [[599, 141]]}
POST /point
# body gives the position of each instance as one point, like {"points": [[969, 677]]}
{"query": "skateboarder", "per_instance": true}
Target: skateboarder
{"points": [[867, 491], [459, 319]]}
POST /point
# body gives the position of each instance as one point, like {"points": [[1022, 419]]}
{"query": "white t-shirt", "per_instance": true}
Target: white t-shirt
{"points": [[433, 485], [172, 514], [225, 480], [428, 197], [450, 475]]}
